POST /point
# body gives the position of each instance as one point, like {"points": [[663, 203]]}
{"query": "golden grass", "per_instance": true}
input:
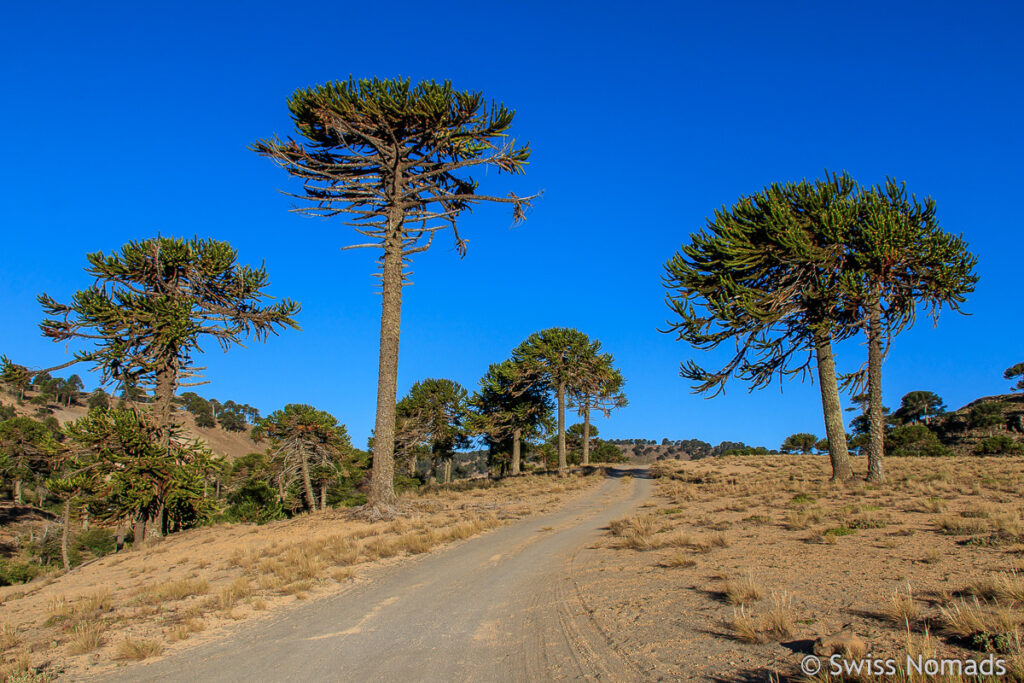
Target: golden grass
{"points": [[779, 620], [742, 590], [901, 608], [678, 561], [85, 638], [137, 650]]}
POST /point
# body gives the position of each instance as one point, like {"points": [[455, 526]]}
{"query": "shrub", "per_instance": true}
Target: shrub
{"points": [[914, 440], [97, 540], [1000, 444], [18, 572], [255, 502]]}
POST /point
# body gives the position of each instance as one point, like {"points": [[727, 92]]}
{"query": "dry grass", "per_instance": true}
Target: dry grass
{"points": [[678, 561], [746, 627], [742, 590], [902, 609], [85, 638], [8, 637], [137, 650]]}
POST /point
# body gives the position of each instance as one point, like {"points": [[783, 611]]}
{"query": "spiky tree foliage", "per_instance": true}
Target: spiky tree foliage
{"points": [[1015, 372], [767, 275], [901, 260], [558, 358], [154, 302], [312, 445], [509, 406], [14, 378], [437, 409], [918, 405], [135, 475], [392, 159], [802, 443], [26, 448], [599, 388]]}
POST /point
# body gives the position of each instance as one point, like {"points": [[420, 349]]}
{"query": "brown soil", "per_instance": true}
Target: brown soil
{"points": [[664, 586]]}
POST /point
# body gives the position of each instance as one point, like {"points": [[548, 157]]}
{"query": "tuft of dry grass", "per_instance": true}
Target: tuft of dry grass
{"points": [[678, 561], [85, 638], [902, 608], [8, 637], [743, 590], [137, 650], [177, 590], [746, 628], [965, 618]]}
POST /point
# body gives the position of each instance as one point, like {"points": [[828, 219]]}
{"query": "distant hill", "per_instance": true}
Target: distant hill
{"points": [[226, 444]]}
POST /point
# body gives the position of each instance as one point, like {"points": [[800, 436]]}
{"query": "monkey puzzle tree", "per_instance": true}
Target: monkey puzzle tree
{"points": [[918, 405], [1015, 371], [558, 359], [26, 446], [508, 407], [392, 158], [310, 443], [599, 388], [439, 408], [152, 304], [900, 258], [136, 472], [767, 274], [801, 442]]}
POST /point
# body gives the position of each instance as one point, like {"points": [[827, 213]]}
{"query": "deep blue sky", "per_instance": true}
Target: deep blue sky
{"points": [[124, 119]]}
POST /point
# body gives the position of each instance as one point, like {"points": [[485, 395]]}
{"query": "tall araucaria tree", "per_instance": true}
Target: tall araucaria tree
{"points": [[154, 302], [900, 259], [599, 388], [767, 275], [508, 407], [558, 359], [393, 158]]}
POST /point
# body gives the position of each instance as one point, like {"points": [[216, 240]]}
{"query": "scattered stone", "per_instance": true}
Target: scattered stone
{"points": [[844, 642]]}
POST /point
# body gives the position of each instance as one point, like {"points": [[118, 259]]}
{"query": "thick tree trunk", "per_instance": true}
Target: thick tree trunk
{"points": [[64, 533], [382, 500], [832, 409], [140, 530], [586, 432], [447, 469], [17, 491], [562, 464], [876, 424], [516, 452], [323, 496], [307, 485]]}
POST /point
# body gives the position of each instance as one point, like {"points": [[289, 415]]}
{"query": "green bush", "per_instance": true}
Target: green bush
{"points": [[1000, 444], [914, 440], [12, 572], [97, 541], [256, 502]]}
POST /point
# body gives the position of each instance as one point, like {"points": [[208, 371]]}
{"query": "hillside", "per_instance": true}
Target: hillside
{"points": [[228, 445]]}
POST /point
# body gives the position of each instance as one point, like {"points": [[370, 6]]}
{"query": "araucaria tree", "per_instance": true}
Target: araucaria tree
{"points": [[392, 158], [510, 406], [599, 388], [899, 258], [558, 358], [436, 410], [767, 275], [152, 304], [310, 444]]}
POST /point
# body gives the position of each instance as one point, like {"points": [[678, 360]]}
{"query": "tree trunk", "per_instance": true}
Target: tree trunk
{"points": [[17, 491], [516, 452], [65, 532], [586, 432], [323, 496], [307, 485], [140, 530], [832, 409], [382, 500], [447, 469], [876, 424], [157, 530], [562, 465]]}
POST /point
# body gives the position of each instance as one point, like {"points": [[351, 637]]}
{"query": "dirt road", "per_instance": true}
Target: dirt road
{"points": [[502, 606]]}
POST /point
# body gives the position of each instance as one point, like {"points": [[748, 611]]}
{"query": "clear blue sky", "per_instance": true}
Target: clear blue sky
{"points": [[124, 119]]}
